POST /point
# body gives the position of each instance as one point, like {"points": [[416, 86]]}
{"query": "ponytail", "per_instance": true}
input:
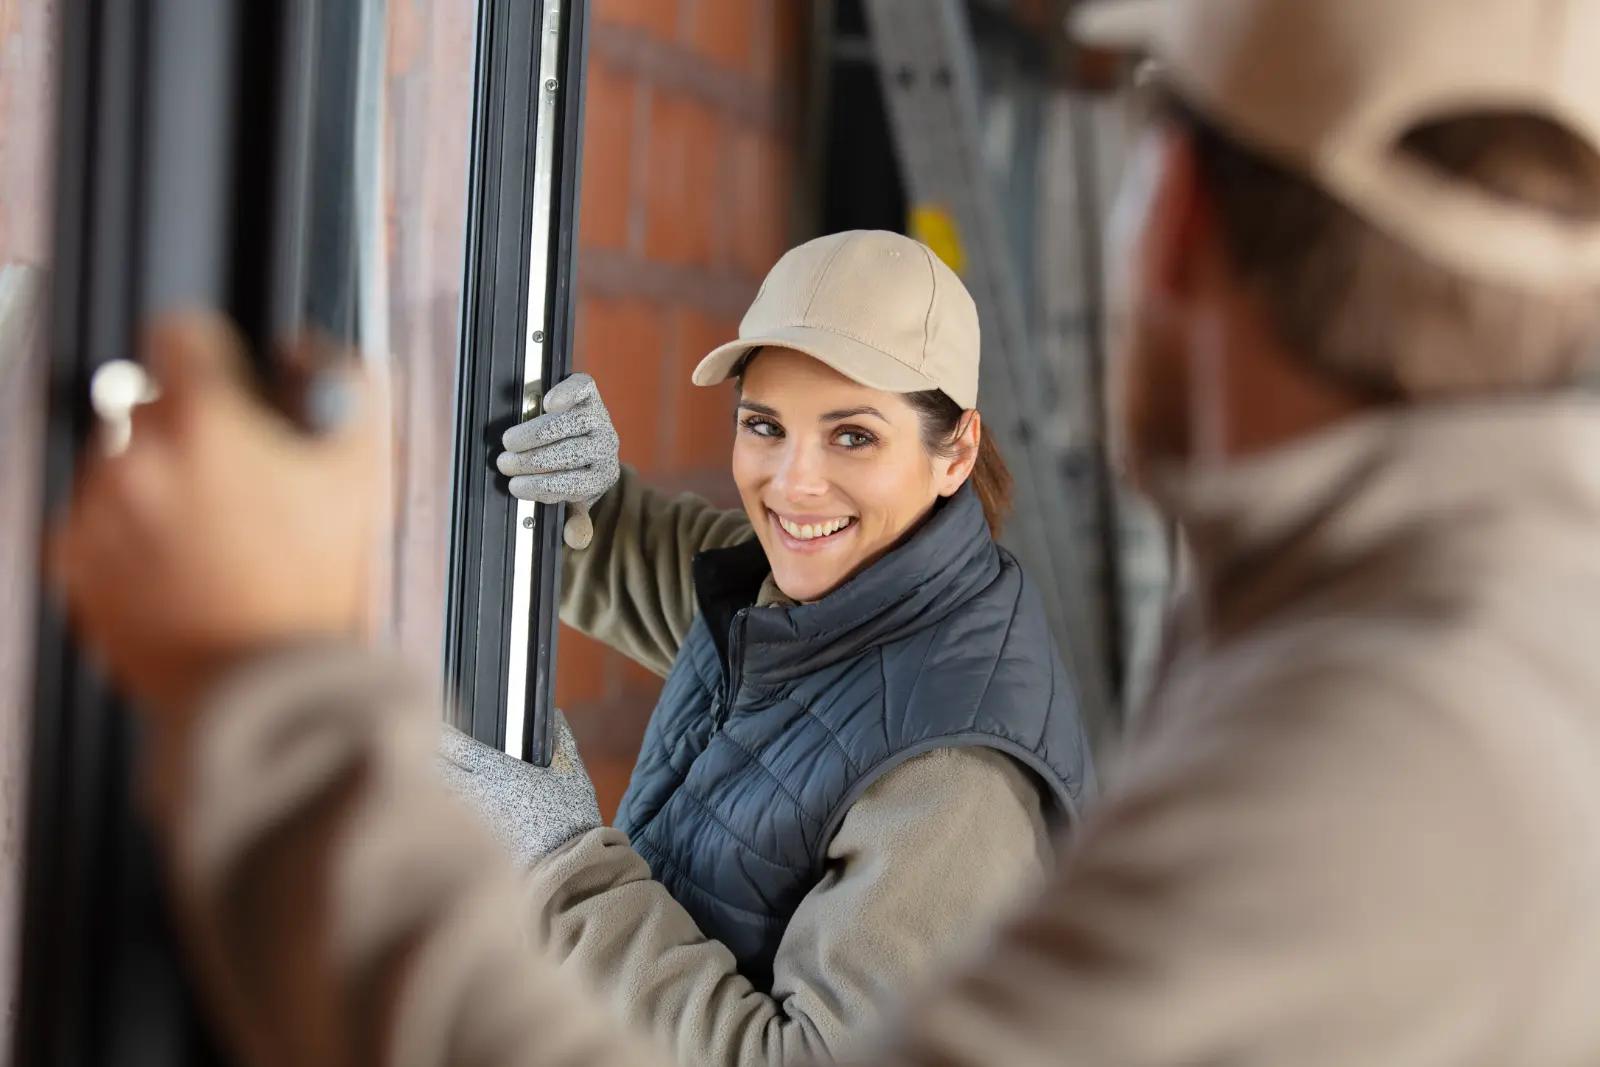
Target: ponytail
{"points": [[942, 420], [991, 480]]}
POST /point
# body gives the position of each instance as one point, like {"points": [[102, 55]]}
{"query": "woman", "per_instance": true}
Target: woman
{"points": [[865, 736]]}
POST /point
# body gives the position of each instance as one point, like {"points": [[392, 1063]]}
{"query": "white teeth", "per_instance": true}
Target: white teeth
{"points": [[812, 531]]}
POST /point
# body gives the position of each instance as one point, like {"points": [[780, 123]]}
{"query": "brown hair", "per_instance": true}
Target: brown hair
{"points": [[1366, 309], [942, 422]]}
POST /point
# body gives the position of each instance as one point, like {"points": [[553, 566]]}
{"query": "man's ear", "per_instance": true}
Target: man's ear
{"points": [[1178, 217], [954, 471]]}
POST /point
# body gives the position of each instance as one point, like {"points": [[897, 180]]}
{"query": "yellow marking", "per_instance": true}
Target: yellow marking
{"points": [[935, 227]]}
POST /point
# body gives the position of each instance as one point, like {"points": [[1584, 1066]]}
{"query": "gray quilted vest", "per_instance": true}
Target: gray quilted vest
{"points": [[775, 720]]}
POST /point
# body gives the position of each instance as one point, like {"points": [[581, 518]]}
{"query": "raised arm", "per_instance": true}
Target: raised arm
{"points": [[925, 862], [633, 587], [627, 578]]}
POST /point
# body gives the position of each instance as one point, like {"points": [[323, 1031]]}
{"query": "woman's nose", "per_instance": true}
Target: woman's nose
{"points": [[801, 473]]}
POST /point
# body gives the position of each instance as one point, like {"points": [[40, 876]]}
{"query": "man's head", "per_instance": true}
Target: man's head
{"points": [[1343, 203]]}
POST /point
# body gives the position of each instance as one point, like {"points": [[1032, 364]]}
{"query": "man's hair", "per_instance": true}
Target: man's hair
{"points": [[1367, 309]]}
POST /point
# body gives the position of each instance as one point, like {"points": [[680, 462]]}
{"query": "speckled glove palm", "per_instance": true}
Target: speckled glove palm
{"points": [[568, 455], [534, 810]]}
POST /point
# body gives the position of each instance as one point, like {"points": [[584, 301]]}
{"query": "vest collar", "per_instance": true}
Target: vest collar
{"points": [[943, 565]]}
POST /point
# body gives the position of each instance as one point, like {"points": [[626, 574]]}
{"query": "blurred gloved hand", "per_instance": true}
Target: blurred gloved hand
{"points": [[568, 455], [534, 810]]}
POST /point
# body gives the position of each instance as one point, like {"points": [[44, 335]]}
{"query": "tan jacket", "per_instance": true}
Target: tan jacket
{"points": [[1360, 826]]}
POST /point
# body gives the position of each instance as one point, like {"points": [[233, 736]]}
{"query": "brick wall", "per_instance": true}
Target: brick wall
{"points": [[691, 164], [427, 145]]}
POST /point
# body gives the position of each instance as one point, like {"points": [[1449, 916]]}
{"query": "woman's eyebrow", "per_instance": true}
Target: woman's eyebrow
{"points": [[852, 413], [759, 409]]}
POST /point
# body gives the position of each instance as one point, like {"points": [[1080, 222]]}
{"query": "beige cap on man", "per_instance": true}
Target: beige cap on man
{"points": [[1330, 88], [877, 307]]}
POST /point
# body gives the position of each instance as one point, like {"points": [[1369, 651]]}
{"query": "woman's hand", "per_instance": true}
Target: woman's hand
{"points": [[533, 810], [221, 530], [568, 455]]}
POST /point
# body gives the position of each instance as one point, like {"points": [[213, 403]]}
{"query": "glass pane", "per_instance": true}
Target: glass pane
{"points": [[427, 131], [26, 105]]}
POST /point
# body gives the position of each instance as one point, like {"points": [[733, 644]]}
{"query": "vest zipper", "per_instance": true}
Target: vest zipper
{"points": [[730, 685]]}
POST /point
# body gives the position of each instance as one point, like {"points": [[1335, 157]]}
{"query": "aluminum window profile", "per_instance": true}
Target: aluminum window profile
{"points": [[516, 335], [185, 175]]}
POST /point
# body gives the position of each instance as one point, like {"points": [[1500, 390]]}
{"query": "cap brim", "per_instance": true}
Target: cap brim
{"points": [[859, 362], [1119, 25]]}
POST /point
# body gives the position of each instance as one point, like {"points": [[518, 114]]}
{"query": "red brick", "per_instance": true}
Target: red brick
{"points": [[705, 436], [607, 157], [704, 424], [609, 734], [659, 18], [724, 32], [610, 779], [622, 343], [782, 44], [722, 194], [608, 757], [580, 670], [639, 681], [681, 181], [763, 181]]}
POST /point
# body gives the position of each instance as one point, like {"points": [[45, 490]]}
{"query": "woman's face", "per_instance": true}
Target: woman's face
{"points": [[832, 474]]}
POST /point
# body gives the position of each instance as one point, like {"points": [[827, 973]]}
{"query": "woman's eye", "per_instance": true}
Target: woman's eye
{"points": [[855, 439], [763, 427]]}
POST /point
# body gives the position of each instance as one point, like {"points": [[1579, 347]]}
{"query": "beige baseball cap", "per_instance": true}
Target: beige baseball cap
{"points": [[1331, 88], [877, 307]]}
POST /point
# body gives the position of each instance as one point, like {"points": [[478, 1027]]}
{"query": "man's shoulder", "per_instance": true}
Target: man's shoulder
{"points": [[1395, 708]]}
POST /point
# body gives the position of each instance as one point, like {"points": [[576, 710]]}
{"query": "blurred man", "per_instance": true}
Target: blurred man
{"points": [[1361, 823]]}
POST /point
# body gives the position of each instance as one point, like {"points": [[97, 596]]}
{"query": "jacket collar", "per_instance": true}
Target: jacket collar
{"points": [[940, 567], [1441, 486]]}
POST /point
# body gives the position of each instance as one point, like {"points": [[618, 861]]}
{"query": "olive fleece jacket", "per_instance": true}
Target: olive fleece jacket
{"points": [[939, 848]]}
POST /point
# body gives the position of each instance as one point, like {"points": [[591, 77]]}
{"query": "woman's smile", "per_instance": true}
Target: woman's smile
{"points": [[811, 533]]}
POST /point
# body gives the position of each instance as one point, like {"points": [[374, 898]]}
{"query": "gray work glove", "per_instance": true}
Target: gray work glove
{"points": [[568, 455], [534, 810]]}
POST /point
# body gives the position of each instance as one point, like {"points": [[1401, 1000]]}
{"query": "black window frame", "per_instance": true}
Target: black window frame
{"points": [[184, 157], [500, 651], [207, 154]]}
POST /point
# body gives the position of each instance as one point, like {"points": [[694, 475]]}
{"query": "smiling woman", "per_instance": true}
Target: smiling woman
{"points": [[834, 474], [866, 736]]}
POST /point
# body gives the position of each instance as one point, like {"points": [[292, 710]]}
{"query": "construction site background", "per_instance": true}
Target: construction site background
{"points": [[718, 134]]}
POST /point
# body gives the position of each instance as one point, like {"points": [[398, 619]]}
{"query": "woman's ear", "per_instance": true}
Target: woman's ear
{"points": [[954, 470]]}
